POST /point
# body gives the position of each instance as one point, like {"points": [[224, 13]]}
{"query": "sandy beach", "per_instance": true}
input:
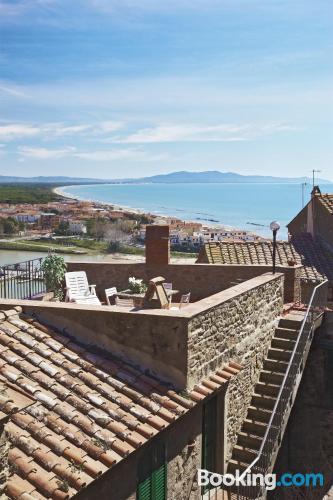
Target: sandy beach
{"points": [[121, 208]]}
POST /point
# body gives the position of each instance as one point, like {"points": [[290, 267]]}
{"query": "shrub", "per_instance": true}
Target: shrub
{"points": [[54, 268]]}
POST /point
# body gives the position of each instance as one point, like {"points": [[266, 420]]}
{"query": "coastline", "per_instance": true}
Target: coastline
{"points": [[123, 208]]}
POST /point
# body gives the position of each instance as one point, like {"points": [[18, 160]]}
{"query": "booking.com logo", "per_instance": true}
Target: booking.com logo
{"points": [[269, 481]]}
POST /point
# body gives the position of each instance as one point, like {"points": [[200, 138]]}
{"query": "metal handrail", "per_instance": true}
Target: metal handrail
{"points": [[279, 417], [22, 280], [270, 425], [285, 378]]}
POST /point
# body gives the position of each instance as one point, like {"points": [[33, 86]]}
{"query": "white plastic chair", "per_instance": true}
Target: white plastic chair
{"points": [[78, 290], [184, 300], [110, 292]]}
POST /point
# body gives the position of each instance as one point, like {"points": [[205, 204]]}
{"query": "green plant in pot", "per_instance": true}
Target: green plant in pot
{"points": [[136, 285], [54, 268]]}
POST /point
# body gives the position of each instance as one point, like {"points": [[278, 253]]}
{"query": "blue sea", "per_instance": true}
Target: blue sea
{"points": [[232, 205]]}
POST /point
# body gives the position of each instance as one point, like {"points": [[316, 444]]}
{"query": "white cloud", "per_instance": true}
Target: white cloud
{"points": [[16, 130], [95, 156], [103, 127], [10, 8], [175, 133], [109, 126], [45, 153], [201, 133], [149, 5], [9, 132], [61, 129], [119, 154], [12, 90]]}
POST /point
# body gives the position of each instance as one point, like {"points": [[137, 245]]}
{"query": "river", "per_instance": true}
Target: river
{"points": [[14, 256]]}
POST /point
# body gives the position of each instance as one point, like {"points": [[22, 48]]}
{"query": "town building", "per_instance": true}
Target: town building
{"points": [[316, 218], [77, 227], [28, 218]]}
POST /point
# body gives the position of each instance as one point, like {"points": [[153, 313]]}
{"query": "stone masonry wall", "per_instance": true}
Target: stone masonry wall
{"points": [[238, 329]]}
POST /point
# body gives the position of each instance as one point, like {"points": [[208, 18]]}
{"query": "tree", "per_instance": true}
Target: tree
{"points": [[10, 226], [96, 228], [118, 233], [21, 226], [63, 228]]}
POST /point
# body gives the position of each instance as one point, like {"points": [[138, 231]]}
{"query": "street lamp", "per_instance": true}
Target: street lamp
{"points": [[274, 226]]}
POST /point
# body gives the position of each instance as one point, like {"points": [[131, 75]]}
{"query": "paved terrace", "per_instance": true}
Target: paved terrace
{"points": [[159, 339]]}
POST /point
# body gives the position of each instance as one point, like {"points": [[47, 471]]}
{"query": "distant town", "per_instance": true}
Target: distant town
{"points": [[69, 222]]}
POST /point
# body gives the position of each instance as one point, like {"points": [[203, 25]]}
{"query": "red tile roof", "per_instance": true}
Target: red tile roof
{"points": [[317, 260], [89, 410], [11, 400]]}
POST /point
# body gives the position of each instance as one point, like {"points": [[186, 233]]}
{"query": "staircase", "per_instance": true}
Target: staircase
{"points": [[265, 394]]}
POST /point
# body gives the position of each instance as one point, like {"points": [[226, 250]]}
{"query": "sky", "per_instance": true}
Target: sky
{"points": [[129, 88]]}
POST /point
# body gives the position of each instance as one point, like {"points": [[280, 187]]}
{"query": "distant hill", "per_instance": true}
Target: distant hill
{"points": [[46, 180], [214, 176], [210, 176]]}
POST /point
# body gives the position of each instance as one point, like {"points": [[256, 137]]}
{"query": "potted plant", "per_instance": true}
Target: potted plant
{"points": [[54, 268], [136, 285]]}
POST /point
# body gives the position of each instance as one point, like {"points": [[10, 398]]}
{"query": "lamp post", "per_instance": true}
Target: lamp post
{"points": [[275, 226]]}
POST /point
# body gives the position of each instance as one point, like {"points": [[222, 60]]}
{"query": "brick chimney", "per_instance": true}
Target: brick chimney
{"points": [[157, 245]]}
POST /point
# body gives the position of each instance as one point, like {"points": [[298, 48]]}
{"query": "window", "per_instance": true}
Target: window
{"points": [[209, 436], [153, 475]]}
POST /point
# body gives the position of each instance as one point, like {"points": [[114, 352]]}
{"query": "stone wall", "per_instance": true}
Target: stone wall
{"points": [[240, 328], [180, 346], [201, 280]]}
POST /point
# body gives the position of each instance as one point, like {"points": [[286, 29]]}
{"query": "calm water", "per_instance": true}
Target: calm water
{"points": [[14, 256], [230, 204]]}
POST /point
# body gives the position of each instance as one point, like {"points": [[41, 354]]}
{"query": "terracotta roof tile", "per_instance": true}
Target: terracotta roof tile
{"points": [[327, 201], [316, 259], [86, 411], [16, 486]]}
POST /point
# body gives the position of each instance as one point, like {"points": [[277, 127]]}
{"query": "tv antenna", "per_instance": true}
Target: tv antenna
{"points": [[313, 176], [303, 186]]}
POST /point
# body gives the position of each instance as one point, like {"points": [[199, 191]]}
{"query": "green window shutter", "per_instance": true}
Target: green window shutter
{"points": [[153, 475], [144, 490], [159, 483]]}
